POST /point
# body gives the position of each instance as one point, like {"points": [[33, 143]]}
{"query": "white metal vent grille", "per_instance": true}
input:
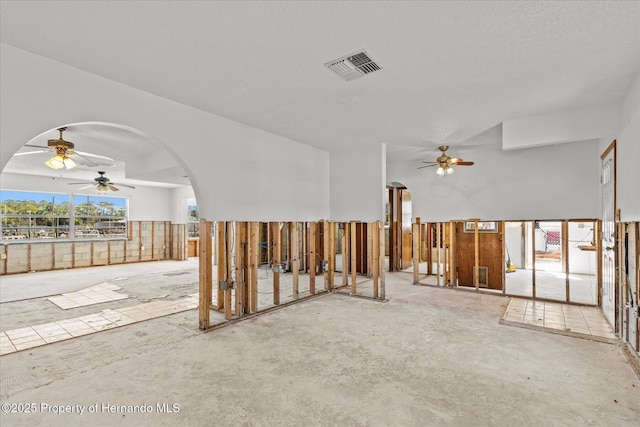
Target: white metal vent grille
{"points": [[353, 66]]}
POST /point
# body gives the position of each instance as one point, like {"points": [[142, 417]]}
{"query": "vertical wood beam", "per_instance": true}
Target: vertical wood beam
{"points": [[228, 238], [221, 261], [313, 235], [415, 239], [153, 239], [295, 253], [375, 256], [275, 245], [354, 255], [345, 254], [439, 245], [392, 230], [332, 253], [205, 273], [381, 257], [369, 249], [533, 260], [325, 255], [564, 258], [476, 255], [453, 259], [254, 250], [240, 245]]}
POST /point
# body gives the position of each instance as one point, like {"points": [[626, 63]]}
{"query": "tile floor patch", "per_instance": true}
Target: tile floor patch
{"points": [[46, 333], [558, 317], [104, 292]]}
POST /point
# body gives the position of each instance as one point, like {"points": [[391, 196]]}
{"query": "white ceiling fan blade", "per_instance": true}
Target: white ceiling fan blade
{"points": [[31, 152], [123, 185]]}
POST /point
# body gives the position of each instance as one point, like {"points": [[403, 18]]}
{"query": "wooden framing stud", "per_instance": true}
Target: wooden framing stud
{"points": [[313, 235], [354, 256], [295, 263], [205, 274]]}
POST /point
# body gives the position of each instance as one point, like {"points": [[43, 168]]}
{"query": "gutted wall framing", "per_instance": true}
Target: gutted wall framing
{"points": [[147, 241]]}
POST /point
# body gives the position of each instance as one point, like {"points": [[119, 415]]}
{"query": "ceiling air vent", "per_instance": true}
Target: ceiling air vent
{"points": [[353, 66]]}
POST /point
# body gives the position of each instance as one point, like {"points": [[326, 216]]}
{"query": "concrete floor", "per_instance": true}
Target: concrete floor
{"points": [[428, 356]]}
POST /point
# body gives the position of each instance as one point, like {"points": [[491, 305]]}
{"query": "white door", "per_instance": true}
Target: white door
{"points": [[608, 186]]}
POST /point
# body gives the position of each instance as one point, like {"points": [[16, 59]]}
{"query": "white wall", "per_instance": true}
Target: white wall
{"points": [[358, 182], [628, 156], [237, 172], [550, 182], [602, 121], [145, 203], [181, 198]]}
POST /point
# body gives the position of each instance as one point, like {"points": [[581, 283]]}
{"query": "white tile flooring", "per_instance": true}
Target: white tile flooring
{"points": [[104, 292], [35, 336], [559, 317]]}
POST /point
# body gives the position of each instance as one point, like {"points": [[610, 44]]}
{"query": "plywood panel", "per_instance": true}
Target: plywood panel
{"points": [[489, 255]]}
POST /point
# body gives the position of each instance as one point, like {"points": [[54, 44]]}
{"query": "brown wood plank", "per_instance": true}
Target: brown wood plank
{"points": [[313, 235], [205, 274], [415, 256], [275, 244], [381, 272], [295, 253], [375, 257], [354, 255]]}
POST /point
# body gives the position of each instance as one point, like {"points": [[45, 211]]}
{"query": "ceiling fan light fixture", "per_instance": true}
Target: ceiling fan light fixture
{"points": [[450, 170], [56, 162], [440, 171], [69, 163]]}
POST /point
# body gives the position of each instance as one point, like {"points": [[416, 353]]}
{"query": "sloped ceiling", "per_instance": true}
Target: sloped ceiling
{"points": [[450, 70]]}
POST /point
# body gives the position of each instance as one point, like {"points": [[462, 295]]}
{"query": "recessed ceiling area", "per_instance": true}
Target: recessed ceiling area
{"points": [[138, 159]]}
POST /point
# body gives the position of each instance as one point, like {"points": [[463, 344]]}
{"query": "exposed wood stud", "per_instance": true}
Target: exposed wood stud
{"points": [[275, 244], [222, 262], [331, 267], [313, 235], [254, 241], [240, 245], [439, 252], [295, 264], [354, 256], [533, 260], [565, 258], [381, 259], [476, 255], [205, 274], [369, 250], [375, 255], [228, 238], [345, 254], [415, 238]]}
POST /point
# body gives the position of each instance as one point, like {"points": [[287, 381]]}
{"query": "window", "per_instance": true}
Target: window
{"points": [[31, 215]]}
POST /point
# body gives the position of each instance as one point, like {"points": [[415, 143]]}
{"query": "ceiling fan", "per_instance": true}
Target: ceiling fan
{"points": [[63, 152], [102, 183], [445, 163]]}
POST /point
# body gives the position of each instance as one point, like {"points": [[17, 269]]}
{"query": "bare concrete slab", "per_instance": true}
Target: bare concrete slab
{"points": [[426, 357]]}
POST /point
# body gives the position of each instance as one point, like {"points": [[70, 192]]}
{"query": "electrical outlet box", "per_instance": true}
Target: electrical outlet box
{"points": [[3, 256], [223, 285], [142, 248]]}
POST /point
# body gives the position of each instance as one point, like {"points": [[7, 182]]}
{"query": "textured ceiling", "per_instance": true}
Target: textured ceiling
{"points": [[451, 70]]}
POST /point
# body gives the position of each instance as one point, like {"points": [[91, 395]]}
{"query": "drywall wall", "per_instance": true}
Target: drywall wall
{"points": [[550, 182], [237, 172], [358, 184], [628, 156], [564, 126]]}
